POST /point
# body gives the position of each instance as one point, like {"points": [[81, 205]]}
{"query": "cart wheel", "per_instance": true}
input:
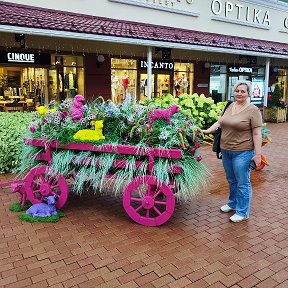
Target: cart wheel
{"points": [[148, 202], [38, 184]]}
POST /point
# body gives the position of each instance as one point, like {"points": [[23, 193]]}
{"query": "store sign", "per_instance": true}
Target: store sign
{"points": [[238, 12], [25, 58], [156, 65], [241, 69], [175, 6]]}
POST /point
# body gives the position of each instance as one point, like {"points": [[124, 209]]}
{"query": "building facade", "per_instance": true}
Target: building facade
{"points": [[143, 48]]}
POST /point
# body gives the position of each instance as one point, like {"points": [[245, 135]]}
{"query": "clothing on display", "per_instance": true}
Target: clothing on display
{"points": [[125, 84], [114, 86], [70, 81]]}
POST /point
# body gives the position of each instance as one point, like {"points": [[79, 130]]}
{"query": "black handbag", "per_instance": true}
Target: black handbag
{"points": [[217, 137]]}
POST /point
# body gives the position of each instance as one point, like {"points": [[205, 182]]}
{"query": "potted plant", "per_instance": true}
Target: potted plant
{"points": [[277, 109]]}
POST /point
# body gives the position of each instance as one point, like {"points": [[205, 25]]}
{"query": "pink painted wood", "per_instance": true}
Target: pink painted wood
{"points": [[148, 202], [37, 185]]}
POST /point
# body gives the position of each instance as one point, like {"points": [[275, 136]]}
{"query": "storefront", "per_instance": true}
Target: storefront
{"points": [[37, 78], [207, 46], [224, 77], [129, 77]]}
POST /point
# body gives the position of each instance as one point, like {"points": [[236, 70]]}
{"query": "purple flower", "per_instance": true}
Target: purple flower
{"points": [[199, 158], [32, 129]]}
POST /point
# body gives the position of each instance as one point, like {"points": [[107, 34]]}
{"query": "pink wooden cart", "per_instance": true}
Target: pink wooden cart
{"points": [[146, 200]]}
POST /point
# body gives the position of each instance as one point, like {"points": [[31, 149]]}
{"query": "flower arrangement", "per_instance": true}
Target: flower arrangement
{"points": [[125, 124]]}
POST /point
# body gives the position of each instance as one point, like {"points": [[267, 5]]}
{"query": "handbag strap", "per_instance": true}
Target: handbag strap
{"points": [[219, 154], [226, 106]]}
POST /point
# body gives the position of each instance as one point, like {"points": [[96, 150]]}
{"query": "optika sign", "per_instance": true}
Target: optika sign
{"points": [[20, 57], [158, 65], [240, 12], [240, 70]]}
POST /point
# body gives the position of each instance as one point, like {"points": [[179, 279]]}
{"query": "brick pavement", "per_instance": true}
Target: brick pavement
{"points": [[97, 245]]}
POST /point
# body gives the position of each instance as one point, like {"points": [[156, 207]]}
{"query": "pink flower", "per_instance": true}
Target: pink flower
{"points": [[199, 158], [32, 129]]}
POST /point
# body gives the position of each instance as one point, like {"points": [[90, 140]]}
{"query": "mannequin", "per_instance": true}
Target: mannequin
{"points": [[184, 83], [114, 86], [177, 83], [125, 83], [70, 84]]}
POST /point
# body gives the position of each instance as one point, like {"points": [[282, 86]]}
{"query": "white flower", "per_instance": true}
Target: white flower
{"points": [[164, 134]]}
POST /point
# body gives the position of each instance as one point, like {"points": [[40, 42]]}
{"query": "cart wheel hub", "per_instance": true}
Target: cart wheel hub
{"points": [[45, 189], [148, 202]]}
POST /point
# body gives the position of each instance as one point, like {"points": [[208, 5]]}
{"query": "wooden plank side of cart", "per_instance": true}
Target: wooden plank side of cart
{"points": [[109, 148]]}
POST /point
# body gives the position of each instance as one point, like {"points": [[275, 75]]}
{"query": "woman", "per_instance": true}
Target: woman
{"points": [[241, 142]]}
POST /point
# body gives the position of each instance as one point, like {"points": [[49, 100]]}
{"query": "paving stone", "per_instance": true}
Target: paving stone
{"points": [[97, 245]]}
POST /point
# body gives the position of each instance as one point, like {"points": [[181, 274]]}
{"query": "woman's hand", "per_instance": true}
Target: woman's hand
{"points": [[257, 159], [205, 131]]}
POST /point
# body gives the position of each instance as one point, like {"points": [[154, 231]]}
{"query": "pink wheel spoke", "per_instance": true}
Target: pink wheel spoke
{"points": [[36, 191], [36, 183], [42, 177], [54, 186], [140, 193], [156, 194], [157, 211], [148, 213], [136, 199], [160, 202], [138, 208]]}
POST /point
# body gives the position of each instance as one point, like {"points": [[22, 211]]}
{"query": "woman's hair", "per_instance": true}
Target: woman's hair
{"points": [[244, 82]]}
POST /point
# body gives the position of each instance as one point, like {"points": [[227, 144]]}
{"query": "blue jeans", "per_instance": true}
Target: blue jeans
{"points": [[237, 167]]}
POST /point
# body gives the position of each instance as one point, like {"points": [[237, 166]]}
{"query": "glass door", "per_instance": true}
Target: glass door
{"points": [[143, 86], [162, 85], [232, 81]]}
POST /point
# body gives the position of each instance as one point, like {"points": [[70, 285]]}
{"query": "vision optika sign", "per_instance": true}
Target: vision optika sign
{"points": [[241, 69], [25, 58]]}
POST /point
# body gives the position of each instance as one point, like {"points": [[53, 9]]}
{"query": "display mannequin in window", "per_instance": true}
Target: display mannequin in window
{"points": [[125, 84], [184, 83], [70, 84], [177, 83], [114, 86]]}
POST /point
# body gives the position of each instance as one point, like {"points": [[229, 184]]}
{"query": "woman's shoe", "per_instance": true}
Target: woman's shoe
{"points": [[237, 218], [226, 208]]}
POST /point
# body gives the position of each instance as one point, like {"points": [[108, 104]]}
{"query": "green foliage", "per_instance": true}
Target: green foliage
{"points": [[201, 109], [17, 207], [28, 218], [276, 96], [12, 127]]}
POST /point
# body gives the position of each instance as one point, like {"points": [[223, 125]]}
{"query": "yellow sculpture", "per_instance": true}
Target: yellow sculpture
{"points": [[91, 135]]}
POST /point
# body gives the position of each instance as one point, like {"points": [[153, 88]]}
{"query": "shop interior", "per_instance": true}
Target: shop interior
{"points": [[22, 88]]}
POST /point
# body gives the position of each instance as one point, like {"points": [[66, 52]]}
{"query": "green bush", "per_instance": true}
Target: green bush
{"points": [[12, 127]]}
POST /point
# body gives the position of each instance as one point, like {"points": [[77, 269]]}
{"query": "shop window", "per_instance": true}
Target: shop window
{"points": [[218, 80], [24, 85], [123, 79], [183, 78], [66, 78], [282, 81]]}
